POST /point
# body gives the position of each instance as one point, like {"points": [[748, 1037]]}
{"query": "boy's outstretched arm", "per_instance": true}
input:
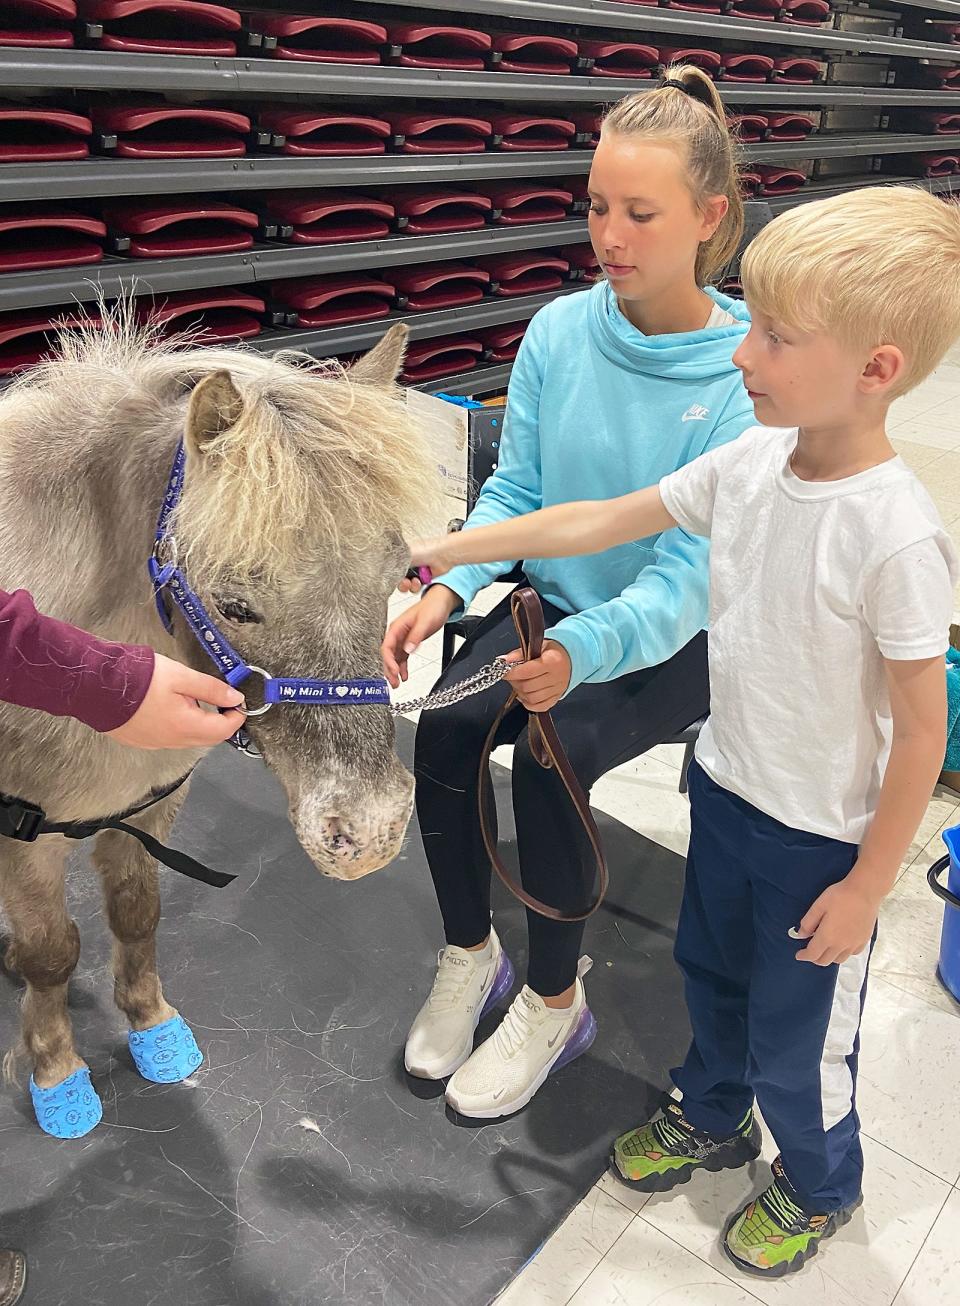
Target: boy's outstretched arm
{"points": [[566, 531], [840, 922]]}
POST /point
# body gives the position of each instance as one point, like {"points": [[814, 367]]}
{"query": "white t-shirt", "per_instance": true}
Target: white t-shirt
{"points": [[812, 584]]}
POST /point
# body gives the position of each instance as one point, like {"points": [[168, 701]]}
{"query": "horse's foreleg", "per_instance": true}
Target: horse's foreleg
{"points": [[160, 1042], [44, 952]]}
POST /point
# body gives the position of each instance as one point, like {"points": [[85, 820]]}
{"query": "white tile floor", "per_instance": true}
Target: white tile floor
{"points": [[903, 1246]]}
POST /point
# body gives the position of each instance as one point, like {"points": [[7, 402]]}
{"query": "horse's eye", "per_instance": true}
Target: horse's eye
{"points": [[236, 610]]}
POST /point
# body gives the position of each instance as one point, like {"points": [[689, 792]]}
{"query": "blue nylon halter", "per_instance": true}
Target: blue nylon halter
{"points": [[298, 690]]}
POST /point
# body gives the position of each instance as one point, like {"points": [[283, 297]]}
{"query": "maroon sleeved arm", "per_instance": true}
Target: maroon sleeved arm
{"points": [[57, 668]]}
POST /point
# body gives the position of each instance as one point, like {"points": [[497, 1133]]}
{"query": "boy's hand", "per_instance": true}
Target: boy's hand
{"points": [[433, 553], [541, 684], [170, 715], [839, 924]]}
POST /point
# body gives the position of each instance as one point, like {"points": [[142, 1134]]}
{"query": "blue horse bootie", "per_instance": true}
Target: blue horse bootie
{"points": [[165, 1053], [69, 1109]]}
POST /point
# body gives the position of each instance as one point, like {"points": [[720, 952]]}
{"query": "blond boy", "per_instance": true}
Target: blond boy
{"points": [[832, 584]]}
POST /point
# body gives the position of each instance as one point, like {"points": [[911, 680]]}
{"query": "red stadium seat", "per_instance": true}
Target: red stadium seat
{"points": [[161, 26], [587, 123], [440, 285], [747, 67], [172, 228], [621, 58], [584, 264], [789, 127], [46, 24], [329, 217], [37, 134], [809, 13], [520, 203], [171, 131], [764, 10], [320, 40], [936, 165], [749, 127], [534, 54], [337, 300], [697, 6], [431, 210], [710, 61], [519, 131], [797, 69], [420, 45], [427, 360], [528, 272], [779, 181], [210, 315], [27, 336], [502, 343], [939, 122], [34, 236], [322, 133], [440, 133]]}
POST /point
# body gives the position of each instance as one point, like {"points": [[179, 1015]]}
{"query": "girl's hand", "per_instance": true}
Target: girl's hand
{"points": [[541, 684], [411, 628], [838, 925]]}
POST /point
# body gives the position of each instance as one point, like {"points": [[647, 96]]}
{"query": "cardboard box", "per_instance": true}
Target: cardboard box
{"points": [[447, 429], [455, 430]]}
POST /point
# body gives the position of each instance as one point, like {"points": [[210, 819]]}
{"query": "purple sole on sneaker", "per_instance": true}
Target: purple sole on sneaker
{"points": [[580, 1038], [501, 986]]}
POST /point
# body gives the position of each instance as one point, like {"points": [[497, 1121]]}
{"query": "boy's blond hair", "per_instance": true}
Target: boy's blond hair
{"points": [[877, 266]]}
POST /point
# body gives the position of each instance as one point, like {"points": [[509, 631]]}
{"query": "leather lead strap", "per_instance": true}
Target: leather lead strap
{"points": [[548, 751]]}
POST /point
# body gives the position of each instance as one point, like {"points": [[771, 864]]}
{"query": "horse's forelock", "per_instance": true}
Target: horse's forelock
{"points": [[317, 463]]}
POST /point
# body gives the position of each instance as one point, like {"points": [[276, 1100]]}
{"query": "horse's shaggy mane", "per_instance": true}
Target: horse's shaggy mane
{"points": [[315, 457]]}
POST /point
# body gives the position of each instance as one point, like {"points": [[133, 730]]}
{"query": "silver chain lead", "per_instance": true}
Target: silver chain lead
{"points": [[478, 683]]}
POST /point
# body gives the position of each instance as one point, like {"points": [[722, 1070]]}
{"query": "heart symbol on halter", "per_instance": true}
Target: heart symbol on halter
{"points": [[341, 691]]}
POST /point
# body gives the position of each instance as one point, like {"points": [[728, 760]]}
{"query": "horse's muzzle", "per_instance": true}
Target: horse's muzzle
{"points": [[348, 844]]}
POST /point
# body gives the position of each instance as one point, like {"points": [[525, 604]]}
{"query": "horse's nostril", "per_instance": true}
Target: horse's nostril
{"points": [[337, 841]]}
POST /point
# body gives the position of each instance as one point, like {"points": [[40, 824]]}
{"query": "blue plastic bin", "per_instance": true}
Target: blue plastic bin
{"points": [[948, 969]]}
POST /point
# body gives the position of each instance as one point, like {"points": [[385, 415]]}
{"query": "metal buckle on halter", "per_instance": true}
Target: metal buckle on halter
{"points": [[266, 677]]}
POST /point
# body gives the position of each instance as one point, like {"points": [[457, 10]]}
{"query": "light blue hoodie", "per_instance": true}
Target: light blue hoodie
{"points": [[596, 409]]}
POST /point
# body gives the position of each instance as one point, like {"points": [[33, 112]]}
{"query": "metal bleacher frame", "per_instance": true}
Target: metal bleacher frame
{"points": [[250, 77]]}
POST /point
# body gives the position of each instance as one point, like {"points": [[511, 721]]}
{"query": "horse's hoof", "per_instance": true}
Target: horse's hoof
{"points": [[165, 1053], [69, 1109]]}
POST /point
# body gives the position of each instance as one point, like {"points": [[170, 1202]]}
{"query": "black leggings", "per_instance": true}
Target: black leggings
{"points": [[600, 727]]}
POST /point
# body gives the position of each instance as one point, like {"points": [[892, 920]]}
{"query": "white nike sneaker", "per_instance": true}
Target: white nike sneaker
{"points": [[533, 1040], [465, 989]]}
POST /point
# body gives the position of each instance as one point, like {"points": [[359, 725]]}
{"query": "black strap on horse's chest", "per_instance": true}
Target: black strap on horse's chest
{"points": [[25, 822]]}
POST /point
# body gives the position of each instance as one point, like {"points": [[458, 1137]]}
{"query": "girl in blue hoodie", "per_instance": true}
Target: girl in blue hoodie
{"points": [[612, 389]]}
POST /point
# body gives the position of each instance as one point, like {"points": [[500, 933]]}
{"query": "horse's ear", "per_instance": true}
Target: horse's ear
{"points": [[381, 366], [215, 406]]}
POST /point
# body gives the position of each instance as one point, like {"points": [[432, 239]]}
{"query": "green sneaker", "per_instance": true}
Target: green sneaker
{"points": [[773, 1235], [665, 1151]]}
